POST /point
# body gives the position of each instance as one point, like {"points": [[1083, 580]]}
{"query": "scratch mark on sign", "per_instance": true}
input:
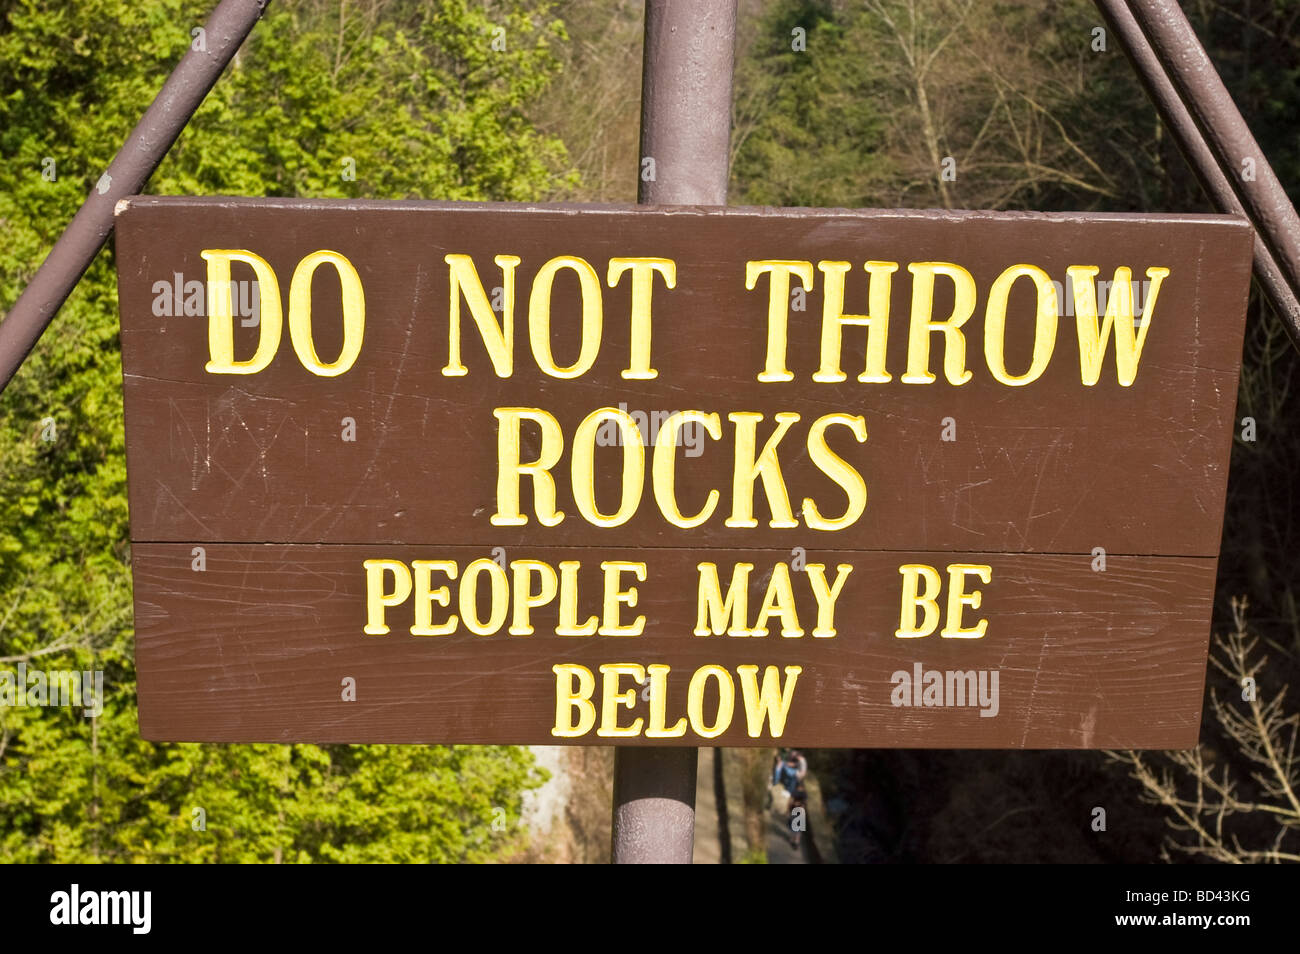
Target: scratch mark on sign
{"points": [[1088, 727], [1038, 483], [1033, 690], [379, 423], [168, 491], [174, 414]]}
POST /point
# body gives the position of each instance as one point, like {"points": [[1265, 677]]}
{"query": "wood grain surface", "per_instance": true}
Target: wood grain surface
{"points": [[1050, 467], [255, 648], [1034, 482]]}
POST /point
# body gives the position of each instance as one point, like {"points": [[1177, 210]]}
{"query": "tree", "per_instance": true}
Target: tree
{"points": [[378, 98], [1226, 814], [1037, 107], [807, 127], [930, 103], [595, 103]]}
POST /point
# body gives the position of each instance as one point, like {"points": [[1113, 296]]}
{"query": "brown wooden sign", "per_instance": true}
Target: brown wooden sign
{"points": [[430, 472]]}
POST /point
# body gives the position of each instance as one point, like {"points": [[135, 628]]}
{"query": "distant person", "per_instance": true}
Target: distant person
{"points": [[789, 773]]}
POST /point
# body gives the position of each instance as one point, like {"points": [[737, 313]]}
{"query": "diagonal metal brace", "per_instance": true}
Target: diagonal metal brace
{"points": [[148, 143], [1197, 108], [1156, 35]]}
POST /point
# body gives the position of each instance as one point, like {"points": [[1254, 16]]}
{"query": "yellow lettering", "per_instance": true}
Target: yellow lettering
{"points": [[995, 325], [659, 706], [695, 701], [499, 601], [771, 703], [827, 595], [567, 699], [584, 467], [923, 324], [612, 698], [957, 573], [610, 625], [778, 601], [643, 278], [499, 340], [568, 625], [913, 573], [877, 323], [1119, 316], [778, 308], [221, 319], [354, 313], [665, 467], [765, 465], [834, 467], [525, 599], [425, 597], [539, 316], [714, 611], [510, 471], [377, 599]]}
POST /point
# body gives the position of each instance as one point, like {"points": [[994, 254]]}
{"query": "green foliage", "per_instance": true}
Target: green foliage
{"points": [[808, 125], [1038, 116], [415, 95]]}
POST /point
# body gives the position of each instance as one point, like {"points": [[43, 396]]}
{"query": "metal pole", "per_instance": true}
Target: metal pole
{"points": [[1197, 108], [686, 101], [685, 142], [76, 248]]}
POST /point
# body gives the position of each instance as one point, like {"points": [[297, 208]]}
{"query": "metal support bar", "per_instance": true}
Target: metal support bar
{"points": [[685, 141], [686, 102], [654, 805], [148, 143], [1198, 110]]}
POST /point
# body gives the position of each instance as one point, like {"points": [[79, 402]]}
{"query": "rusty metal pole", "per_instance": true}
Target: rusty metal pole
{"points": [[685, 143], [135, 162]]}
